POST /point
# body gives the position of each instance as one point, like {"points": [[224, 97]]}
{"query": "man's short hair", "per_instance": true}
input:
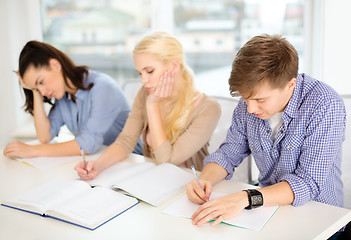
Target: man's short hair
{"points": [[263, 58]]}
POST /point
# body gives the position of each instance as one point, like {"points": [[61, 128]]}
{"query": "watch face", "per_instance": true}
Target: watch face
{"points": [[256, 200]]}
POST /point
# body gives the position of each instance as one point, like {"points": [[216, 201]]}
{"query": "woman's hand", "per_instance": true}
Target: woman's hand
{"points": [[164, 88], [19, 149], [87, 172], [220, 209], [21, 81]]}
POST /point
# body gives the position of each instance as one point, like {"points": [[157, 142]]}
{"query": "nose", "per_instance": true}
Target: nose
{"points": [[251, 106], [42, 90], [144, 79]]}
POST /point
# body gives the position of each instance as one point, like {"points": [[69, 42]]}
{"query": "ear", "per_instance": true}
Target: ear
{"points": [[292, 83], [175, 65], [55, 64]]}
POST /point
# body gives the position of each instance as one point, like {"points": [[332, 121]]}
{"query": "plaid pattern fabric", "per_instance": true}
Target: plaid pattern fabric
{"points": [[307, 150]]}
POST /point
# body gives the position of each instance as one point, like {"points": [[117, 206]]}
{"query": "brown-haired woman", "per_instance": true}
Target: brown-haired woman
{"points": [[90, 103]]}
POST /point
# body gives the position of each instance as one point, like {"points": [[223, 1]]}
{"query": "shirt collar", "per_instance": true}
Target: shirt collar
{"points": [[81, 94], [292, 108]]}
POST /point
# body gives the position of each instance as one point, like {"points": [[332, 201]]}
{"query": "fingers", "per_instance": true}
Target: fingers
{"points": [[208, 190], [21, 81], [87, 173], [90, 166], [13, 149], [219, 209], [205, 213], [165, 85], [217, 221], [195, 192]]}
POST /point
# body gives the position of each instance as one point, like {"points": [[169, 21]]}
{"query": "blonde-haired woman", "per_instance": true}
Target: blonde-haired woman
{"points": [[175, 120]]}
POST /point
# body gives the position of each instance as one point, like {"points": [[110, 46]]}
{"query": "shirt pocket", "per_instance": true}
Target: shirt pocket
{"points": [[292, 143], [256, 148]]}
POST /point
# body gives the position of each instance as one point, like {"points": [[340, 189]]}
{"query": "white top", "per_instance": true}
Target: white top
{"points": [[275, 122]]}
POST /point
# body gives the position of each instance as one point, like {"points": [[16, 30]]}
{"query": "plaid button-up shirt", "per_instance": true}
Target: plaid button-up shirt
{"points": [[307, 150]]}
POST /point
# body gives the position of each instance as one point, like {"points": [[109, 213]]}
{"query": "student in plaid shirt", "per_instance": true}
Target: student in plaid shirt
{"points": [[292, 124]]}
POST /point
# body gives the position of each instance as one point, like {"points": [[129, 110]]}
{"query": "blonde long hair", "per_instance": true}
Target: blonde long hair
{"points": [[167, 48]]}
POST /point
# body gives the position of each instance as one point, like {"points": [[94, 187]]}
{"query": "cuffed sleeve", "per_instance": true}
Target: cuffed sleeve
{"points": [[314, 172]]}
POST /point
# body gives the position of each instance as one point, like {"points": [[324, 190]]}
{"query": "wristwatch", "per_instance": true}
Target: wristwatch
{"points": [[255, 198]]}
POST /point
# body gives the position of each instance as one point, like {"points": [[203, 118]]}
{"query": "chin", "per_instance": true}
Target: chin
{"points": [[59, 97]]}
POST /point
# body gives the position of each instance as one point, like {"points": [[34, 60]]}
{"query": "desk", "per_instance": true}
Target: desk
{"points": [[311, 221]]}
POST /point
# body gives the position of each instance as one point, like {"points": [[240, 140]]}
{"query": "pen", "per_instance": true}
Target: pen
{"points": [[85, 163], [197, 178]]}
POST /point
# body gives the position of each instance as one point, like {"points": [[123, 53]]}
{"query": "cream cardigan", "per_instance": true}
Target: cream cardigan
{"points": [[191, 145]]}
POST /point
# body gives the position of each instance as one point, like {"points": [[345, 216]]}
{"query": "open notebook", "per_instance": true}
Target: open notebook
{"points": [[146, 181], [254, 219], [90, 204], [73, 201]]}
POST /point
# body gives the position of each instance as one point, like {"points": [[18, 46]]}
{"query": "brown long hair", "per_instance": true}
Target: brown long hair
{"points": [[263, 58], [38, 54]]}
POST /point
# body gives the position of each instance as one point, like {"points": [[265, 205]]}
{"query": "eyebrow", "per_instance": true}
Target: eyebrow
{"points": [[258, 98], [36, 81]]}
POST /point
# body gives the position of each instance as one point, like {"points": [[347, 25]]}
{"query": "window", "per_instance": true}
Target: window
{"points": [[223, 26], [102, 34], [99, 34]]}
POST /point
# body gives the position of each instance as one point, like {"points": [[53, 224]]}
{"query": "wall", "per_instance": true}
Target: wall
{"points": [[336, 46], [19, 21]]}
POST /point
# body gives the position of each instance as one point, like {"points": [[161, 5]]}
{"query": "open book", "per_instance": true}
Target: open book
{"points": [[146, 181], [254, 219], [73, 201]]}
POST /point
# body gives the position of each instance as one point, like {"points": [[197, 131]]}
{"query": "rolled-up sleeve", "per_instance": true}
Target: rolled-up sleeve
{"points": [[313, 175]]}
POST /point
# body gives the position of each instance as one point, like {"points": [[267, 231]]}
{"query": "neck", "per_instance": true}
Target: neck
{"points": [[70, 88], [289, 97]]}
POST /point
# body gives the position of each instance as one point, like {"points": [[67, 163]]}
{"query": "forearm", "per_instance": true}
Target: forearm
{"points": [[277, 194], [156, 127], [69, 148], [113, 154], [41, 120], [213, 172]]}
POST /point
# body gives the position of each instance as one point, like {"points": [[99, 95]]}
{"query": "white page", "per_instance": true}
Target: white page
{"points": [[93, 207], [118, 172], [156, 184], [44, 163], [254, 219], [46, 196]]}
